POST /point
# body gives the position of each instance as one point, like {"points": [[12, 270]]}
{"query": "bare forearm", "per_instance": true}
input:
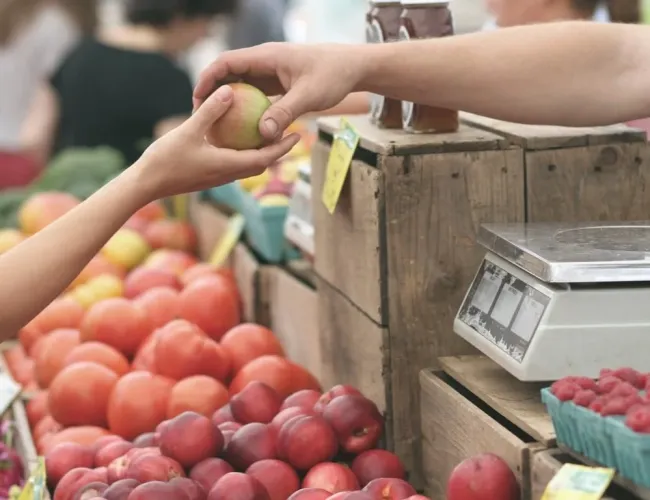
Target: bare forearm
{"points": [[573, 73], [39, 269]]}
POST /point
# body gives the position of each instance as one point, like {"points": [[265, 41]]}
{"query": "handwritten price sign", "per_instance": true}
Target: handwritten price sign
{"points": [[345, 144]]}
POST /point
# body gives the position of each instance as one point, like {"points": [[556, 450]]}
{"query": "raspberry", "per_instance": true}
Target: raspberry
{"points": [[586, 383], [630, 375], [564, 390], [639, 419], [615, 406], [597, 405], [605, 372], [624, 389], [606, 384], [584, 397]]}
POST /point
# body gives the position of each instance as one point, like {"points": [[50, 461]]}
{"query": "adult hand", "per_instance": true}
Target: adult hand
{"points": [[182, 161], [307, 78]]}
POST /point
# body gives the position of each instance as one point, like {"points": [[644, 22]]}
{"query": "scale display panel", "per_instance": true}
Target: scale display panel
{"points": [[299, 227], [503, 309]]}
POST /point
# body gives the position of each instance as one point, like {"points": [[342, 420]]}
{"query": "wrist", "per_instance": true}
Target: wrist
{"points": [[136, 185], [371, 59]]}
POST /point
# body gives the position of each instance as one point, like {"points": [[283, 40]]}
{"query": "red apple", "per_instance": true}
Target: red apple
{"points": [[334, 392], [310, 494], [356, 421], [238, 486], [257, 402], [149, 468], [306, 398], [250, 444], [279, 478], [375, 464], [483, 477], [391, 489], [208, 472], [306, 441], [190, 438], [332, 477]]}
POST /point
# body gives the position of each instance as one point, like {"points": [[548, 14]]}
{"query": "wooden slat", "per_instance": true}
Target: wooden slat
{"points": [[540, 137], [397, 142], [454, 429], [520, 402], [349, 242]]}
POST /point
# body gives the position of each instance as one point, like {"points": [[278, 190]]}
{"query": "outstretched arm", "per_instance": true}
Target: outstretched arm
{"points": [[36, 271], [570, 73]]}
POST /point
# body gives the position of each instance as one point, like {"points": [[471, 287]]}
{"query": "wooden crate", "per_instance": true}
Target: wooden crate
{"points": [[545, 464], [399, 252], [579, 174], [293, 314], [473, 406]]}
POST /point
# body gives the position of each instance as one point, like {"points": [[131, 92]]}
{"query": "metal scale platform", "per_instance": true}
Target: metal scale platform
{"points": [[551, 300]]}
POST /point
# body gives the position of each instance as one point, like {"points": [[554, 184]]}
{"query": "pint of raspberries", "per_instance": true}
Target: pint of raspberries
{"points": [[621, 392]]}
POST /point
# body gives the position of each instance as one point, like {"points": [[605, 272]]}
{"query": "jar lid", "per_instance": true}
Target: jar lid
{"points": [[425, 2]]}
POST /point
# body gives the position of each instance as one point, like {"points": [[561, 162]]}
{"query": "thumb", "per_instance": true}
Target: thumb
{"points": [[212, 109], [285, 111]]}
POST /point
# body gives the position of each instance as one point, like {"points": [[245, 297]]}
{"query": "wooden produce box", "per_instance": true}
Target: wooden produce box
{"points": [[253, 277], [399, 253], [473, 406], [293, 313]]}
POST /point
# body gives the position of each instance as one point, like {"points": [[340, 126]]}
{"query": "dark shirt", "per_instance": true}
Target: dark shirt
{"points": [[114, 97]]}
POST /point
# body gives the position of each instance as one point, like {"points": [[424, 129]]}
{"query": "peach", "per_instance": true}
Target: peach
{"points": [[41, 209], [310, 494], [335, 392], [250, 444], [190, 438], [110, 452], [356, 421], [190, 489], [223, 414], [209, 471], [65, 457], [238, 128], [155, 490], [394, 489], [148, 468], [200, 393], [375, 464], [482, 477], [306, 441], [143, 279], [76, 479], [279, 478], [118, 467], [120, 490], [90, 491], [161, 305], [238, 486], [148, 439], [285, 415], [306, 398], [105, 441], [257, 402], [332, 477], [169, 233]]}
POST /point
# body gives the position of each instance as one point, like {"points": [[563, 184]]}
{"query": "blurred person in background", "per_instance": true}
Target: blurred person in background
{"points": [[257, 22], [123, 87], [35, 36]]}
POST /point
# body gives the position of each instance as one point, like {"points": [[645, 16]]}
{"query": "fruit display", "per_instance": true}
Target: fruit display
{"points": [[483, 477], [606, 420]]}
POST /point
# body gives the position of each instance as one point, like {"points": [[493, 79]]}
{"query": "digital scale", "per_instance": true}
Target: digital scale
{"points": [[299, 226], [552, 300]]}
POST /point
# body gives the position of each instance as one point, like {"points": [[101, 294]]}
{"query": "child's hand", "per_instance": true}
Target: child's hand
{"points": [[182, 161]]}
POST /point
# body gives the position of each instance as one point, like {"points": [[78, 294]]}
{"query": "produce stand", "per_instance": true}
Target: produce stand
{"points": [[395, 258]]}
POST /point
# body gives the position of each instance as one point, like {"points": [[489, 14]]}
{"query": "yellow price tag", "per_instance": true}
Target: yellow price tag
{"points": [[345, 144], [227, 244], [579, 482], [36, 485], [181, 203]]}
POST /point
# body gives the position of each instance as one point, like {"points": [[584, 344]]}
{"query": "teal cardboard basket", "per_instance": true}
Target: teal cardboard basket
{"points": [[605, 440], [264, 228]]}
